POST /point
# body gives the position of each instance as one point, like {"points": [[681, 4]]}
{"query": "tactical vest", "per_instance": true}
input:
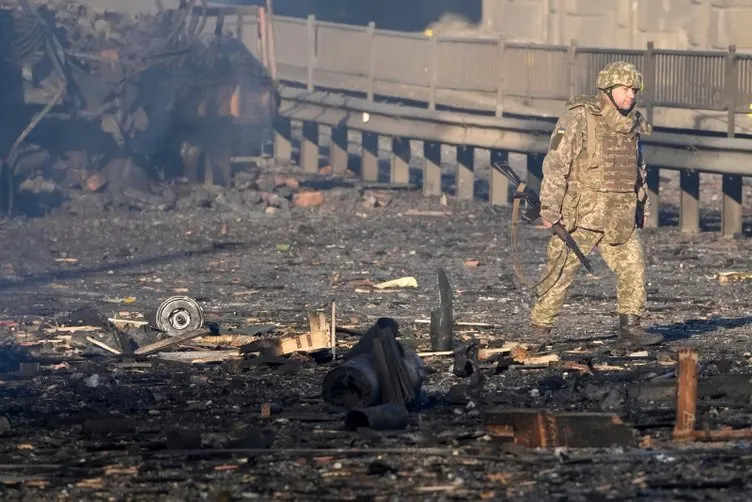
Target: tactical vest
{"points": [[608, 160]]}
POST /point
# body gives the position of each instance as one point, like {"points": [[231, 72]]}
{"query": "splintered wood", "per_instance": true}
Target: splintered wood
{"points": [[319, 337], [170, 342], [517, 351], [522, 355], [686, 406], [308, 342], [686, 395]]}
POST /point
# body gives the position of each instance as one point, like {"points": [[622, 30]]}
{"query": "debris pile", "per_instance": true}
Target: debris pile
{"points": [[377, 393], [252, 193], [127, 98]]}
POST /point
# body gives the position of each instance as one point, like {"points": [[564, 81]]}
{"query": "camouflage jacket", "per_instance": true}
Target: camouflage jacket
{"points": [[569, 139]]}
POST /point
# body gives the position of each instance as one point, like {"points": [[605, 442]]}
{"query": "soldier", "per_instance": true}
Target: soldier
{"points": [[594, 184]]}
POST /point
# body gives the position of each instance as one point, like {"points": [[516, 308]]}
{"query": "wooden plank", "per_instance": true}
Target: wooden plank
{"points": [[103, 346], [201, 356], [234, 340], [170, 342], [308, 342], [483, 354], [686, 394], [317, 321], [543, 429]]}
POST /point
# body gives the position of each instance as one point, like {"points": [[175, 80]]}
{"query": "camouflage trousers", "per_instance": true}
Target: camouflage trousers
{"points": [[625, 260]]}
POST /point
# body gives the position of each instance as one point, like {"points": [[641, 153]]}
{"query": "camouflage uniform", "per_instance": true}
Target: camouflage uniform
{"points": [[594, 178]]}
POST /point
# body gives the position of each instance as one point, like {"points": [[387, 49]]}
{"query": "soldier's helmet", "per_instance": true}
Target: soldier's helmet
{"points": [[619, 73]]}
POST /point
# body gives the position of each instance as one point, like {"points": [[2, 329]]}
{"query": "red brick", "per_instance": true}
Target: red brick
{"points": [[308, 199]]}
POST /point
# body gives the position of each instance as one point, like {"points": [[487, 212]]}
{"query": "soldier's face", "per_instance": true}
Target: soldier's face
{"points": [[624, 97]]}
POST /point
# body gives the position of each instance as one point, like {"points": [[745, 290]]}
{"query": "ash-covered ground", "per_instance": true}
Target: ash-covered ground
{"points": [[173, 431]]}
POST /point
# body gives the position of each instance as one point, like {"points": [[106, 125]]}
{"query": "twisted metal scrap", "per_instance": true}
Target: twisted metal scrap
{"points": [[29, 31]]}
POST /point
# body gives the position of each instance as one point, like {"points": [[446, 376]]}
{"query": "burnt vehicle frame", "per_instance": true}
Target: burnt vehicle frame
{"points": [[177, 92]]}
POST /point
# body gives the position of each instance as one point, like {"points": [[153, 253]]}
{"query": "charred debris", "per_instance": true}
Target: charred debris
{"points": [[123, 103], [109, 103], [583, 394]]}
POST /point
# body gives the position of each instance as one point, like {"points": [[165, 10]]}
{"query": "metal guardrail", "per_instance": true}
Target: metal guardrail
{"points": [[665, 150], [478, 74]]}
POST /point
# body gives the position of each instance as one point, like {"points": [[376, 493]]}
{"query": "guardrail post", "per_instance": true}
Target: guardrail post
{"points": [[500, 78], [338, 150], [649, 76], [731, 216], [311, 48], [432, 169], [731, 89], [282, 141], [434, 73], [369, 158], [534, 171], [689, 206], [465, 177], [572, 60], [309, 148], [528, 74], [400, 165], [653, 182], [731, 219], [498, 189], [371, 32]]}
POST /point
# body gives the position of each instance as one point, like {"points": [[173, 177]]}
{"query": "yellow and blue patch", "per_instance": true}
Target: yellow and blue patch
{"points": [[557, 137]]}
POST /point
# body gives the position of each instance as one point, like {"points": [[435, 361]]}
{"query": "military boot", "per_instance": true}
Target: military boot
{"points": [[631, 333], [539, 336]]}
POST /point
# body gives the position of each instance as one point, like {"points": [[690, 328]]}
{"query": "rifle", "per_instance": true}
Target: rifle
{"points": [[524, 192]]}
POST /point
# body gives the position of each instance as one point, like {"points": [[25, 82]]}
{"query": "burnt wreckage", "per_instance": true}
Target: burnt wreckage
{"points": [[89, 98]]}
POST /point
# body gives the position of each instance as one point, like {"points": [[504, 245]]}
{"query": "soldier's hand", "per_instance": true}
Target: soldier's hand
{"points": [[546, 223], [643, 221]]}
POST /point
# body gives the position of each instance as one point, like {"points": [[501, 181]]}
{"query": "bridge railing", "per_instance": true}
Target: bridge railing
{"points": [[473, 79], [357, 58]]}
